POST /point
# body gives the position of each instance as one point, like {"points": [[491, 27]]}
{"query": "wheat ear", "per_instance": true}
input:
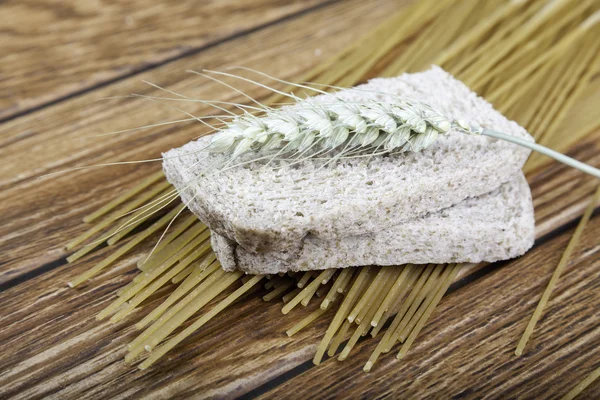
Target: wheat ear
{"points": [[338, 129]]}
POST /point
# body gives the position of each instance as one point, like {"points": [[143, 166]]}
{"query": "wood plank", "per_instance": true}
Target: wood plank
{"points": [[467, 348], [40, 215], [52, 49]]}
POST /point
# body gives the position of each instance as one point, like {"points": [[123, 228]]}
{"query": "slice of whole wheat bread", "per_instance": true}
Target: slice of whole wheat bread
{"points": [[495, 226], [268, 209]]}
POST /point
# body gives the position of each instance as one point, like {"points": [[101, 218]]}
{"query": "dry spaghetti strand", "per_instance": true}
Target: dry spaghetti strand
{"points": [[124, 197], [557, 272], [342, 312], [130, 245], [582, 385], [159, 352], [441, 288]]}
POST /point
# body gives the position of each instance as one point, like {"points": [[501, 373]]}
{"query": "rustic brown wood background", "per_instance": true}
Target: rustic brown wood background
{"points": [[60, 61]]}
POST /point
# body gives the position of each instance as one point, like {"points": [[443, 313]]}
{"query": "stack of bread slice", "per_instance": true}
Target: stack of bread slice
{"points": [[463, 199]]}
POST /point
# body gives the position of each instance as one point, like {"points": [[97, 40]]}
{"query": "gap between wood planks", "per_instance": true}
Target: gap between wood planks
{"points": [[151, 66]]}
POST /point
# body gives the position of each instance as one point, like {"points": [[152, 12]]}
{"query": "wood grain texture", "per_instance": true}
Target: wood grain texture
{"points": [[51, 49], [51, 346]]}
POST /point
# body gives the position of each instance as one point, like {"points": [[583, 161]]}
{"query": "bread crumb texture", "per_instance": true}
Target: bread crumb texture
{"points": [[496, 226]]}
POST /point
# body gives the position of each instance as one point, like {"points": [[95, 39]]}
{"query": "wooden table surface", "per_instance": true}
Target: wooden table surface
{"points": [[60, 61]]}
